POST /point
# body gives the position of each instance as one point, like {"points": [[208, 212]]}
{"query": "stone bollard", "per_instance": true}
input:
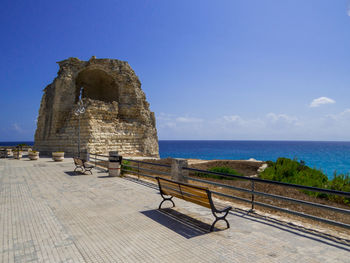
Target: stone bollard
{"points": [[177, 173], [114, 165]]}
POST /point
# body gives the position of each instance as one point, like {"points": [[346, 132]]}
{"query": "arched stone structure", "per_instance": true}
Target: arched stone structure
{"points": [[97, 85], [117, 116]]}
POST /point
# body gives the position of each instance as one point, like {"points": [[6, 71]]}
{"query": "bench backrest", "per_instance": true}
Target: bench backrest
{"points": [[188, 192], [78, 161]]}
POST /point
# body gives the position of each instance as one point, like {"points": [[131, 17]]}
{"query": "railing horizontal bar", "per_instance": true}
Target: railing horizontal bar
{"points": [[305, 215], [310, 188], [336, 209], [232, 197], [99, 167], [101, 155], [156, 164], [95, 158], [218, 184], [288, 211], [100, 160], [145, 169], [135, 172]]}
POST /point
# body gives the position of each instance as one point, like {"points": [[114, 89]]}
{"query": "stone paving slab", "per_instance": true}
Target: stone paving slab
{"points": [[48, 215]]}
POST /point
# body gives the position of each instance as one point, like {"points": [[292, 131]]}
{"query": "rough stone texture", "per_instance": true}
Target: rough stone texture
{"points": [[177, 173], [117, 116]]}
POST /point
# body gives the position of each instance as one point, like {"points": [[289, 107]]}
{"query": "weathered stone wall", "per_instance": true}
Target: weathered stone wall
{"points": [[117, 116]]}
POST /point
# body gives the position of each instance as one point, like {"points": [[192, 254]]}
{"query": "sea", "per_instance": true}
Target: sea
{"points": [[329, 157]]}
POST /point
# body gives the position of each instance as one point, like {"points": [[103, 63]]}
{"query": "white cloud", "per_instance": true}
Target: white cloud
{"points": [[16, 127], [346, 112], [232, 118], [271, 126], [273, 117], [172, 124], [340, 116], [188, 119], [229, 121], [320, 101], [164, 116]]}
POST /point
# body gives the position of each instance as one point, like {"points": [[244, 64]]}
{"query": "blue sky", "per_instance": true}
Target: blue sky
{"points": [[236, 69]]}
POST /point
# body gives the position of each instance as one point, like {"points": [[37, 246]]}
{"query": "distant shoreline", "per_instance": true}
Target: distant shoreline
{"points": [[326, 156], [31, 143], [15, 143]]}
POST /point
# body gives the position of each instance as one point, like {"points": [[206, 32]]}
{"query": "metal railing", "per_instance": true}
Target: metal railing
{"points": [[255, 193], [136, 169], [151, 170], [94, 158]]}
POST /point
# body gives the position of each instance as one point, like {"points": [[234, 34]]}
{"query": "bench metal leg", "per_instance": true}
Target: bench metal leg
{"points": [[79, 167], [88, 170], [218, 218], [166, 199]]}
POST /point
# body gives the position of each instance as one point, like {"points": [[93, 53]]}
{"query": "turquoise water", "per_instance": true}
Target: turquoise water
{"points": [[326, 156]]}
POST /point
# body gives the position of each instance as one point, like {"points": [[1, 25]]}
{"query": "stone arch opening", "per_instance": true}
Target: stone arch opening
{"points": [[97, 84]]}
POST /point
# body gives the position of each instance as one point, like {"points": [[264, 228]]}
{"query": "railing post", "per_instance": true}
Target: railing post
{"points": [[177, 172], [95, 159], [253, 187], [138, 171]]}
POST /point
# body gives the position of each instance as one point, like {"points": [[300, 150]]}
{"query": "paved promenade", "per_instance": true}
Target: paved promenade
{"points": [[49, 215]]}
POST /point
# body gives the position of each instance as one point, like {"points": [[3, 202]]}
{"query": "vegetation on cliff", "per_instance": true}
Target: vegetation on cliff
{"points": [[296, 172], [219, 169]]}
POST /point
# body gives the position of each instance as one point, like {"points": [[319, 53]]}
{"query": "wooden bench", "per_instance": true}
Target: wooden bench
{"points": [[82, 165], [192, 193]]}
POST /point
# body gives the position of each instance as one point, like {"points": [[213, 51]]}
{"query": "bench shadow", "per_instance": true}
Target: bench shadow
{"points": [[72, 173], [309, 233], [181, 224]]}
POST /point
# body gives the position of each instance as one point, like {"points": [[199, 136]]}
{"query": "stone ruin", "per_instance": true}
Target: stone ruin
{"points": [[117, 115]]}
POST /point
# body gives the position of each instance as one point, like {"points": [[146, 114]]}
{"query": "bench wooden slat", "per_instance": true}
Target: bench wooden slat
{"points": [[195, 194], [169, 184], [167, 181], [171, 191], [185, 190], [194, 191], [174, 193], [174, 187], [198, 201], [188, 193]]}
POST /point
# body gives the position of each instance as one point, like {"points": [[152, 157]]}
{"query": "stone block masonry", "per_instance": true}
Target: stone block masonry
{"points": [[117, 116]]}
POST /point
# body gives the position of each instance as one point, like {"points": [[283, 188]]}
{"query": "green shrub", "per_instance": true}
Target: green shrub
{"points": [[125, 168], [296, 172], [219, 169], [340, 182]]}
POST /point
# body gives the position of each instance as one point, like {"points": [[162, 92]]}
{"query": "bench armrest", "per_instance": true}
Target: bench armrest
{"points": [[227, 208]]}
